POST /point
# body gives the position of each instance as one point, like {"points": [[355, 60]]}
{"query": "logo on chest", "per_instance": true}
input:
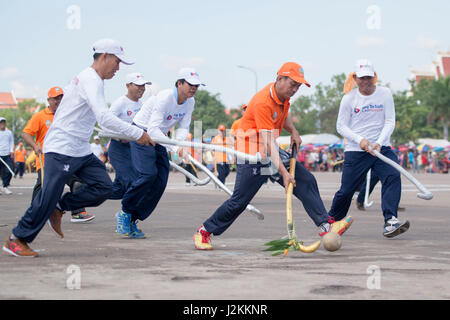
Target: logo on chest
{"points": [[274, 117], [175, 116]]}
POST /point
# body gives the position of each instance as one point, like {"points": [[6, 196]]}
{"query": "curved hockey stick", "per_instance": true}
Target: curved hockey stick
{"points": [[423, 194], [285, 244], [189, 144], [250, 207], [367, 204], [190, 175]]}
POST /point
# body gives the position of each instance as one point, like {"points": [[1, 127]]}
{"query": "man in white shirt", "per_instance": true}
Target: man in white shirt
{"points": [[7, 154], [97, 148], [157, 116], [67, 150], [367, 119], [126, 107]]}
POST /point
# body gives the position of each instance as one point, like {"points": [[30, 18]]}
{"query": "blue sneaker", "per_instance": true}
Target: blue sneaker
{"points": [[123, 223], [135, 232], [393, 227]]}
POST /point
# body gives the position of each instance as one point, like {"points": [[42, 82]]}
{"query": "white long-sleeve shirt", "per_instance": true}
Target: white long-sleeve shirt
{"points": [[82, 106], [125, 108], [370, 117], [6, 142], [162, 112]]}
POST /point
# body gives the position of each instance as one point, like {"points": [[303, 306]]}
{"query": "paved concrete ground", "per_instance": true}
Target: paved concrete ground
{"points": [[416, 265]]}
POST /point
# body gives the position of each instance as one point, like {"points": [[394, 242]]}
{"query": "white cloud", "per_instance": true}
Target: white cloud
{"points": [[9, 73], [175, 63], [423, 42], [370, 41], [26, 91]]}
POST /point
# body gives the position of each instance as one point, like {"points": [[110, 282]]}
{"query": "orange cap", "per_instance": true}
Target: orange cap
{"points": [[293, 71], [222, 127], [54, 92], [244, 106]]}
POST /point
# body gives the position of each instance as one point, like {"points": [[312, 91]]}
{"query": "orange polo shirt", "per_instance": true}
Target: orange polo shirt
{"points": [[37, 127], [224, 142], [264, 112], [19, 155]]}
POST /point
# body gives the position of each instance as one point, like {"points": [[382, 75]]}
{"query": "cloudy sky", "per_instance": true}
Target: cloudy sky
{"points": [[46, 43]]}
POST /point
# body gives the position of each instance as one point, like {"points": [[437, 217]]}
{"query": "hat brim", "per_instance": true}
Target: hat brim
{"points": [[300, 80], [194, 81], [55, 95], [365, 73], [140, 83], [124, 59]]}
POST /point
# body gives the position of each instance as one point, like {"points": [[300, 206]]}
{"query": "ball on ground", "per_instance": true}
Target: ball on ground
{"points": [[332, 241]]}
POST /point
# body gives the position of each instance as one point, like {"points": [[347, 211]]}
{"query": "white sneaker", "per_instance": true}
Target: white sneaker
{"points": [[5, 190], [393, 227]]}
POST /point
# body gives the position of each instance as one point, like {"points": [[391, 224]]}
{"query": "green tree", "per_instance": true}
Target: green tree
{"points": [[435, 95], [327, 99], [304, 116], [16, 119], [210, 110]]}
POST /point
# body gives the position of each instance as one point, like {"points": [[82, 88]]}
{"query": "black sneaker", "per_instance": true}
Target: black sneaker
{"points": [[360, 205]]}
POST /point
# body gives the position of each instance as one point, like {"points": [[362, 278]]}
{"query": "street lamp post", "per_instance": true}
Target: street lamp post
{"points": [[254, 73]]}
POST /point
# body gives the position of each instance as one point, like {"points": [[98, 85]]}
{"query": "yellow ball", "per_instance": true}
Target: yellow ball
{"points": [[332, 241]]}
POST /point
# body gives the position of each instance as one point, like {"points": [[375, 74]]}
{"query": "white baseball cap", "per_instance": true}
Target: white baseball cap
{"points": [[112, 47], [2, 119], [190, 75], [96, 138], [137, 78], [363, 68]]}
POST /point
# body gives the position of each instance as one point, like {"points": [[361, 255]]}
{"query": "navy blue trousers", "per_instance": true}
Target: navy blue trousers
{"points": [[223, 170], [5, 173], [58, 169], [249, 180], [120, 157], [152, 165], [356, 165]]}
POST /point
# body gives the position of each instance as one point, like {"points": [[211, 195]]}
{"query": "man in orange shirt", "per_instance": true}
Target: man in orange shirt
{"points": [[222, 166], [265, 117], [19, 159], [37, 127]]}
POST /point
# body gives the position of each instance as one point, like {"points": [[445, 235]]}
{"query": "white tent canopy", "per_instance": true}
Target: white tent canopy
{"points": [[325, 138], [435, 143]]}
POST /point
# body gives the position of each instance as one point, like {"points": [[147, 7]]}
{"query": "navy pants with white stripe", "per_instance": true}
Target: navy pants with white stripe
{"points": [[249, 180], [356, 165], [120, 157], [152, 166], [58, 169]]}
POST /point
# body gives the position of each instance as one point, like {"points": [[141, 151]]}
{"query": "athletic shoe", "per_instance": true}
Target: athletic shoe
{"points": [[82, 216], [136, 233], [338, 227], [18, 248], [54, 221], [393, 227], [202, 239], [325, 227], [360, 205], [5, 190], [123, 223]]}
